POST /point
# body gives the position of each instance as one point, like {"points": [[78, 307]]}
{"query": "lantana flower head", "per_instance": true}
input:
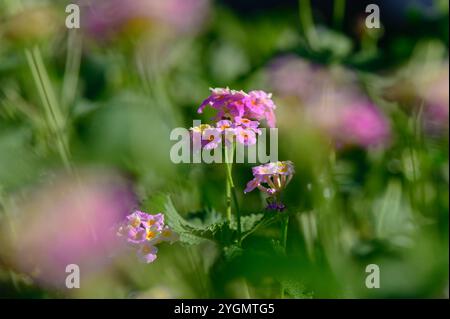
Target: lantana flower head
{"points": [[231, 104], [239, 115], [145, 231], [271, 179]]}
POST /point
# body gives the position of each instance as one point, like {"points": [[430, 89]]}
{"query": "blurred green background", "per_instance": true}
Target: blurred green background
{"points": [[105, 97]]}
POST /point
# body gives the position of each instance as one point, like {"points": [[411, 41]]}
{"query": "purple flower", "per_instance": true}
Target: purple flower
{"points": [[254, 183], [246, 136], [244, 122], [224, 124], [226, 100], [276, 176], [273, 205], [235, 105], [212, 138], [145, 231], [147, 253], [238, 115], [259, 105], [198, 136]]}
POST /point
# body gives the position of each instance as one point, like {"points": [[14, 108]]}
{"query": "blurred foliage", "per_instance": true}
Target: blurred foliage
{"points": [[70, 99]]}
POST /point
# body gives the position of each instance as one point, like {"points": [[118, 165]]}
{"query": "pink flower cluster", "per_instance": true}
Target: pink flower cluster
{"points": [[276, 176], [145, 231], [239, 114]]}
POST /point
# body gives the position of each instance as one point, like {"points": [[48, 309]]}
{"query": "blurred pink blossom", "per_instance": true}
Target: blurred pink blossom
{"points": [[69, 221], [291, 76], [350, 119], [107, 18], [436, 96]]}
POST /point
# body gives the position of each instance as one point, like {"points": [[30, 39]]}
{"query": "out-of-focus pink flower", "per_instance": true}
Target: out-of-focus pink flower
{"points": [[69, 221], [107, 18], [436, 118], [363, 125], [436, 96], [293, 77], [349, 119]]}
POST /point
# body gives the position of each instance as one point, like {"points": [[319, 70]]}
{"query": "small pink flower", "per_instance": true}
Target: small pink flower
{"points": [[224, 124], [245, 136], [144, 232], [147, 253], [254, 183], [259, 105], [212, 138], [242, 121], [276, 176]]}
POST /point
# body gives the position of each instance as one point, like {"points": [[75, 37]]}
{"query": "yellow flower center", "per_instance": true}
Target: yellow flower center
{"points": [[146, 249], [150, 235], [135, 222]]}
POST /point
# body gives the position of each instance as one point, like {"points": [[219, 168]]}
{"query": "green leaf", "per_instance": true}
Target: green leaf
{"points": [[296, 289], [247, 222], [232, 251], [194, 233]]}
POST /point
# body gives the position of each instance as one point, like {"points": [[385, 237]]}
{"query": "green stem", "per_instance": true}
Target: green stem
{"points": [[284, 231], [228, 199], [72, 70], [231, 190], [307, 22], [52, 110], [229, 164], [338, 13]]}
